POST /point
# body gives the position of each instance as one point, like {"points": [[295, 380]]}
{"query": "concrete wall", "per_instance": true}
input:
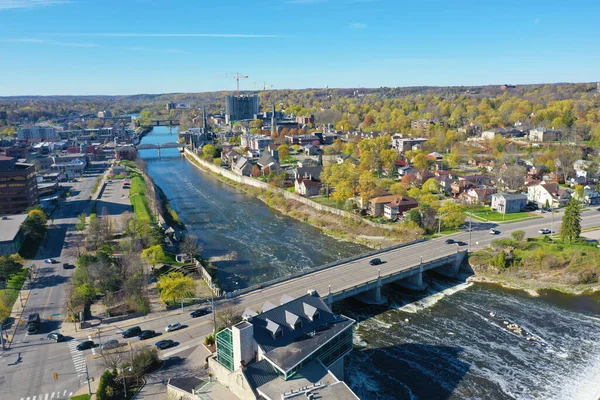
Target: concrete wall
{"points": [[235, 381], [208, 279], [247, 180]]}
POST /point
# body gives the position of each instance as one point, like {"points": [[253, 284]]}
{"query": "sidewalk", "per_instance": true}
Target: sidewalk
{"points": [[16, 315]]}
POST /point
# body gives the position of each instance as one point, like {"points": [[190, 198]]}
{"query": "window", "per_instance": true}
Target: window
{"points": [[316, 316], [298, 325], [278, 333]]}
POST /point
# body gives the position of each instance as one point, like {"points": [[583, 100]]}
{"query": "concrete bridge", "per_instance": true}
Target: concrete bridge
{"points": [[355, 277], [165, 122], [170, 145]]}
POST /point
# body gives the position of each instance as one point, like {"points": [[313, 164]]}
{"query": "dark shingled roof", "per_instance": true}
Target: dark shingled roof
{"points": [[187, 383], [294, 345]]}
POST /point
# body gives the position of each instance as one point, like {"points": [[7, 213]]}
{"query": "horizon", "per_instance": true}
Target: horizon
{"points": [[79, 48]]}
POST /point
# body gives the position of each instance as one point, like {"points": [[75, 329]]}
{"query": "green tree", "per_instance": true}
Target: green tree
{"points": [[579, 193], [284, 151], [9, 265], [398, 188], [431, 186], [421, 161], [175, 285], [209, 151], [35, 225], [81, 223], [452, 215], [153, 255], [571, 222], [257, 124], [518, 235], [107, 385]]}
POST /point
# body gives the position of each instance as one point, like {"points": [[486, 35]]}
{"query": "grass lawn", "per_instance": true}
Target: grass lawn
{"points": [[82, 397], [326, 202], [15, 283], [291, 189], [484, 213]]}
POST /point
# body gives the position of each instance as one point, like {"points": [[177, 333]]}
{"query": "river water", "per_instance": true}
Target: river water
{"points": [[450, 348]]}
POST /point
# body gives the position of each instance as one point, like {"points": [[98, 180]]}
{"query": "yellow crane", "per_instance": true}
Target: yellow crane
{"points": [[237, 78], [264, 86]]}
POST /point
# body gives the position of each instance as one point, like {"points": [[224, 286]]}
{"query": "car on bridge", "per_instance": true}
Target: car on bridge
{"points": [[55, 337], [50, 261], [450, 241], [494, 231], [375, 261]]}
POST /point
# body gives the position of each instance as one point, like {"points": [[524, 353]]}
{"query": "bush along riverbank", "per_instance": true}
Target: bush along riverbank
{"points": [[538, 263], [340, 227]]}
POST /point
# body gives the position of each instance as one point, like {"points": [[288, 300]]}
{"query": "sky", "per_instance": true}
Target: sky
{"points": [[83, 47]]}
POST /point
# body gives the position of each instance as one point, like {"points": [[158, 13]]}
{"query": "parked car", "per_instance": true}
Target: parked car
{"points": [[375, 261], [199, 312], [50, 261], [461, 243], [65, 265], [55, 337], [450, 241], [544, 231], [539, 210], [131, 332], [173, 327], [164, 344], [494, 231], [88, 344], [111, 344], [147, 334]]}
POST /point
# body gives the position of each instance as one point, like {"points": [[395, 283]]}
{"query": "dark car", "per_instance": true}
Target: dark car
{"points": [[164, 344], [450, 241], [131, 332], [55, 337], [461, 243], [147, 334], [375, 261], [198, 313], [65, 265], [88, 344]]}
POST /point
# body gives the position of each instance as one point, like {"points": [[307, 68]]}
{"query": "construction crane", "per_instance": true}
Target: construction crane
{"points": [[237, 78], [264, 86]]}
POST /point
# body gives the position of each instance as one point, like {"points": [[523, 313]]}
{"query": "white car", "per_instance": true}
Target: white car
{"points": [[173, 327], [50, 261], [494, 231], [544, 231]]}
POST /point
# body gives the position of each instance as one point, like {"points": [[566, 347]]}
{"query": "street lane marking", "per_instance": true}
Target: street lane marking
{"points": [[46, 396]]}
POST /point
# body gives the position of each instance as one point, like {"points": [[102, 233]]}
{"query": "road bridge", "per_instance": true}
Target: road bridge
{"points": [[170, 145], [165, 122], [354, 277]]}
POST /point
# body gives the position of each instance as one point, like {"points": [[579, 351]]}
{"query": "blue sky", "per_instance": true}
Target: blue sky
{"points": [[149, 46]]}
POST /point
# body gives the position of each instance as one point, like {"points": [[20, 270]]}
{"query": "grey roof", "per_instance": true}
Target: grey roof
{"points": [[187, 383], [265, 160], [314, 171], [511, 196], [290, 318], [272, 327], [294, 345], [268, 306], [248, 313], [9, 227], [239, 164]]}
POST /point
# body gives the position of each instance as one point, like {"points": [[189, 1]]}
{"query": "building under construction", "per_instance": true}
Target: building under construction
{"points": [[239, 108]]}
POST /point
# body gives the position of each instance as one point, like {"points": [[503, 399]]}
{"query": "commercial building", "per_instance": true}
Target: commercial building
{"points": [[37, 133], [18, 186], [544, 135], [404, 144], [104, 114], [287, 351], [11, 235], [255, 142], [239, 108]]}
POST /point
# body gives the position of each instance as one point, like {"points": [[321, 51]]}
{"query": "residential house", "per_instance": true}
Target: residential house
{"points": [[311, 172], [504, 132], [267, 163], [544, 135], [255, 142], [307, 186], [406, 170], [590, 196], [506, 203], [343, 157], [398, 206], [548, 194], [405, 144], [284, 350], [377, 204], [437, 158], [311, 150], [537, 172], [478, 195], [242, 166], [229, 157], [445, 183]]}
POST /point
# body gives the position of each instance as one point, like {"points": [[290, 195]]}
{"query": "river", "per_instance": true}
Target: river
{"points": [[450, 348]]}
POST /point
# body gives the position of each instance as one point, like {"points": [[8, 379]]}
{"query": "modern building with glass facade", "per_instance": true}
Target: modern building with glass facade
{"points": [[297, 346]]}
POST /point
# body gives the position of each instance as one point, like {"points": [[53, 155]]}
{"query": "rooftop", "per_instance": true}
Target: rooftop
{"points": [[187, 383], [296, 343], [10, 225]]}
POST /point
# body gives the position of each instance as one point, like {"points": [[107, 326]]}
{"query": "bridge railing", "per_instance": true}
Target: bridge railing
{"points": [[299, 274]]}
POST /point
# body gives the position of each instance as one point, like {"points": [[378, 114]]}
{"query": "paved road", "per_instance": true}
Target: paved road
{"points": [[27, 368]]}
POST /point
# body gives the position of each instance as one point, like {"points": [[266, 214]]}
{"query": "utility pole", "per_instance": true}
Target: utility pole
{"points": [[87, 375], [552, 222], [212, 300]]}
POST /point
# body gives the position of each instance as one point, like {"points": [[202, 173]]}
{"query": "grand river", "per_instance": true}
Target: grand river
{"points": [[440, 345]]}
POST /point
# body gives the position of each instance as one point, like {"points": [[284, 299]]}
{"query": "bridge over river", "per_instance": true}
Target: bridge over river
{"points": [[170, 145], [355, 277]]}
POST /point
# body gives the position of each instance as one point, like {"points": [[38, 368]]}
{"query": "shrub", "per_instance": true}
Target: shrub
{"points": [[587, 277], [209, 340], [106, 386], [144, 361]]}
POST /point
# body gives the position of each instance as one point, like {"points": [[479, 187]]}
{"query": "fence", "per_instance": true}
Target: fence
{"points": [[246, 180]]}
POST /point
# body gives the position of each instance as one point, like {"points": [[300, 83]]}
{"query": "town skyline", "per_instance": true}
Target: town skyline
{"points": [[292, 44]]}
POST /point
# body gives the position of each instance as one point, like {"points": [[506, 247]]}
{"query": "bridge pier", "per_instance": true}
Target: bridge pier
{"points": [[159, 153], [450, 270], [374, 295], [413, 282]]}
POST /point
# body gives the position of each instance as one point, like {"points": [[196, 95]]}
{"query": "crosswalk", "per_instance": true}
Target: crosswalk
{"points": [[78, 358], [50, 396]]}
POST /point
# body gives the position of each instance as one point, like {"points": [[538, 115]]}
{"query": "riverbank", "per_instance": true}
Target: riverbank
{"points": [[335, 225]]}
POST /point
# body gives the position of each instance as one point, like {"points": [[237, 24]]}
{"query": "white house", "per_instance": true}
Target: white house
{"points": [[548, 194]]}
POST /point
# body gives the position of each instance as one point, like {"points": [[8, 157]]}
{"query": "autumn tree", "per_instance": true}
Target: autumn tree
{"points": [[431, 185], [283, 151], [175, 285], [452, 215], [571, 222], [153, 255], [398, 188], [421, 161]]}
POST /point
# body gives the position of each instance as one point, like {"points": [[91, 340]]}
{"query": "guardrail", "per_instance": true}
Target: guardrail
{"points": [[229, 295]]}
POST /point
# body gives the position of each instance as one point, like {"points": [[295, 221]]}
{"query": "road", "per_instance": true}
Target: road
{"points": [[27, 368]]}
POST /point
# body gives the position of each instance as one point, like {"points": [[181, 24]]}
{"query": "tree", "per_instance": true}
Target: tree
{"points": [[431, 186], [513, 177], [35, 225], [571, 222], [518, 235], [283, 151], [398, 188], [257, 124], [9, 266], [190, 247], [209, 151], [153, 255], [421, 161], [106, 386], [227, 316], [579, 193], [255, 171], [451, 214], [367, 186], [81, 224], [175, 285]]}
